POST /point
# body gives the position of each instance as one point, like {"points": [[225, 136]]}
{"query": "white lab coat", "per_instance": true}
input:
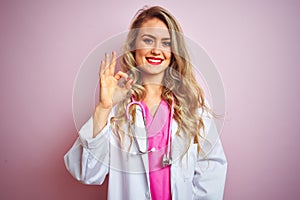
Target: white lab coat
{"points": [[193, 177]]}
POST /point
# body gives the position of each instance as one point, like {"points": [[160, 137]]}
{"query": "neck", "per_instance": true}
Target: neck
{"points": [[149, 79], [153, 89], [153, 85], [153, 97]]}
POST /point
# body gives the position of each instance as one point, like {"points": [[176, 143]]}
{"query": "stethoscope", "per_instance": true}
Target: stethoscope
{"points": [[166, 160]]}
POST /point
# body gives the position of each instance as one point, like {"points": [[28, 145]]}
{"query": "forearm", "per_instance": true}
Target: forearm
{"points": [[100, 118]]}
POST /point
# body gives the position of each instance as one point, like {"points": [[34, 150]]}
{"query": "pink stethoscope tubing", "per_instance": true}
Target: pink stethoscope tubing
{"points": [[166, 158]]}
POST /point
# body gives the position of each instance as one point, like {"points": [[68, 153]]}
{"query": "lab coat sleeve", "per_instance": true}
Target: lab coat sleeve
{"points": [[210, 171], [88, 159]]}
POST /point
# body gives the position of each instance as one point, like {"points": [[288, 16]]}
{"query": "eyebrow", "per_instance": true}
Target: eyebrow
{"points": [[153, 37]]}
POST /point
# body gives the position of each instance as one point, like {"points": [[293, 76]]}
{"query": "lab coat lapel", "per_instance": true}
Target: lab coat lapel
{"points": [[174, 126], [141, 140], [178, 143]]}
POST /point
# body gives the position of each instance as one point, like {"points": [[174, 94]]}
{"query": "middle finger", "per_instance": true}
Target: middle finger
{"points": [[107, 63]]}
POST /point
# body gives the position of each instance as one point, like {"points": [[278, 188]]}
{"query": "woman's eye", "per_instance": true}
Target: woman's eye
{"points": [[167, 44], [148, 41]]}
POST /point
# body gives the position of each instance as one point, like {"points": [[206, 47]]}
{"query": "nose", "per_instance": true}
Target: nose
{"points": [[156, 50]]}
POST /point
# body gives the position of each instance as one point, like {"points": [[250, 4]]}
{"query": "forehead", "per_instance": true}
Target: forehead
{"points": [[154, 27]]}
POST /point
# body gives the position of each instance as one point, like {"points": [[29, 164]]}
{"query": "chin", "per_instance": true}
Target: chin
{"points": [[153, 69]]}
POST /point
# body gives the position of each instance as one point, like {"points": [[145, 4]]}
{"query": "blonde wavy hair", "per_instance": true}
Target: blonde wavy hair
{"points": [[179, 83]]}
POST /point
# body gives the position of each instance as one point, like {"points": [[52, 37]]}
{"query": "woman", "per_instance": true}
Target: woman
{"points": [[148, 135]]}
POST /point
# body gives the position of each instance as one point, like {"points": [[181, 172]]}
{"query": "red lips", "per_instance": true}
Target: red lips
{"points": [[154, 60]]}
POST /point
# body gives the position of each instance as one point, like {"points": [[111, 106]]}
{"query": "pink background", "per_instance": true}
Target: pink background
{"points": [[255, 46]]}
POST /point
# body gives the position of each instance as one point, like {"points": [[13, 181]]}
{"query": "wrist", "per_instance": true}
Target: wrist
{"points": [[105, 106]]}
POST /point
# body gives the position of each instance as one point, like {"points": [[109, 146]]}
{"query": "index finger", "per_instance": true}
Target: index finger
{"points": [[113, 63]]}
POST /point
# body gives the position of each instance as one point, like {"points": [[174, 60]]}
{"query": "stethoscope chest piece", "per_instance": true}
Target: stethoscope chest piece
{"points": [[166, 161]]}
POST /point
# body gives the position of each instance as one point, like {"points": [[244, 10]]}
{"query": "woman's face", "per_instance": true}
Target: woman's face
{"points": [[153, 47]]}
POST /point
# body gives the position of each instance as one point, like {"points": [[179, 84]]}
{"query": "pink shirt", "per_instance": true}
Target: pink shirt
{"points": [[157, 128]]}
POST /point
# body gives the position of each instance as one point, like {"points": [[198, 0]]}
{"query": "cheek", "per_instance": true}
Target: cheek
{"points": [[168, 56], [139, 55]]}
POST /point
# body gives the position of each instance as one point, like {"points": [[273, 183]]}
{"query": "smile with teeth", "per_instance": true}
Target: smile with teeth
{"points": [[154, 61]]}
